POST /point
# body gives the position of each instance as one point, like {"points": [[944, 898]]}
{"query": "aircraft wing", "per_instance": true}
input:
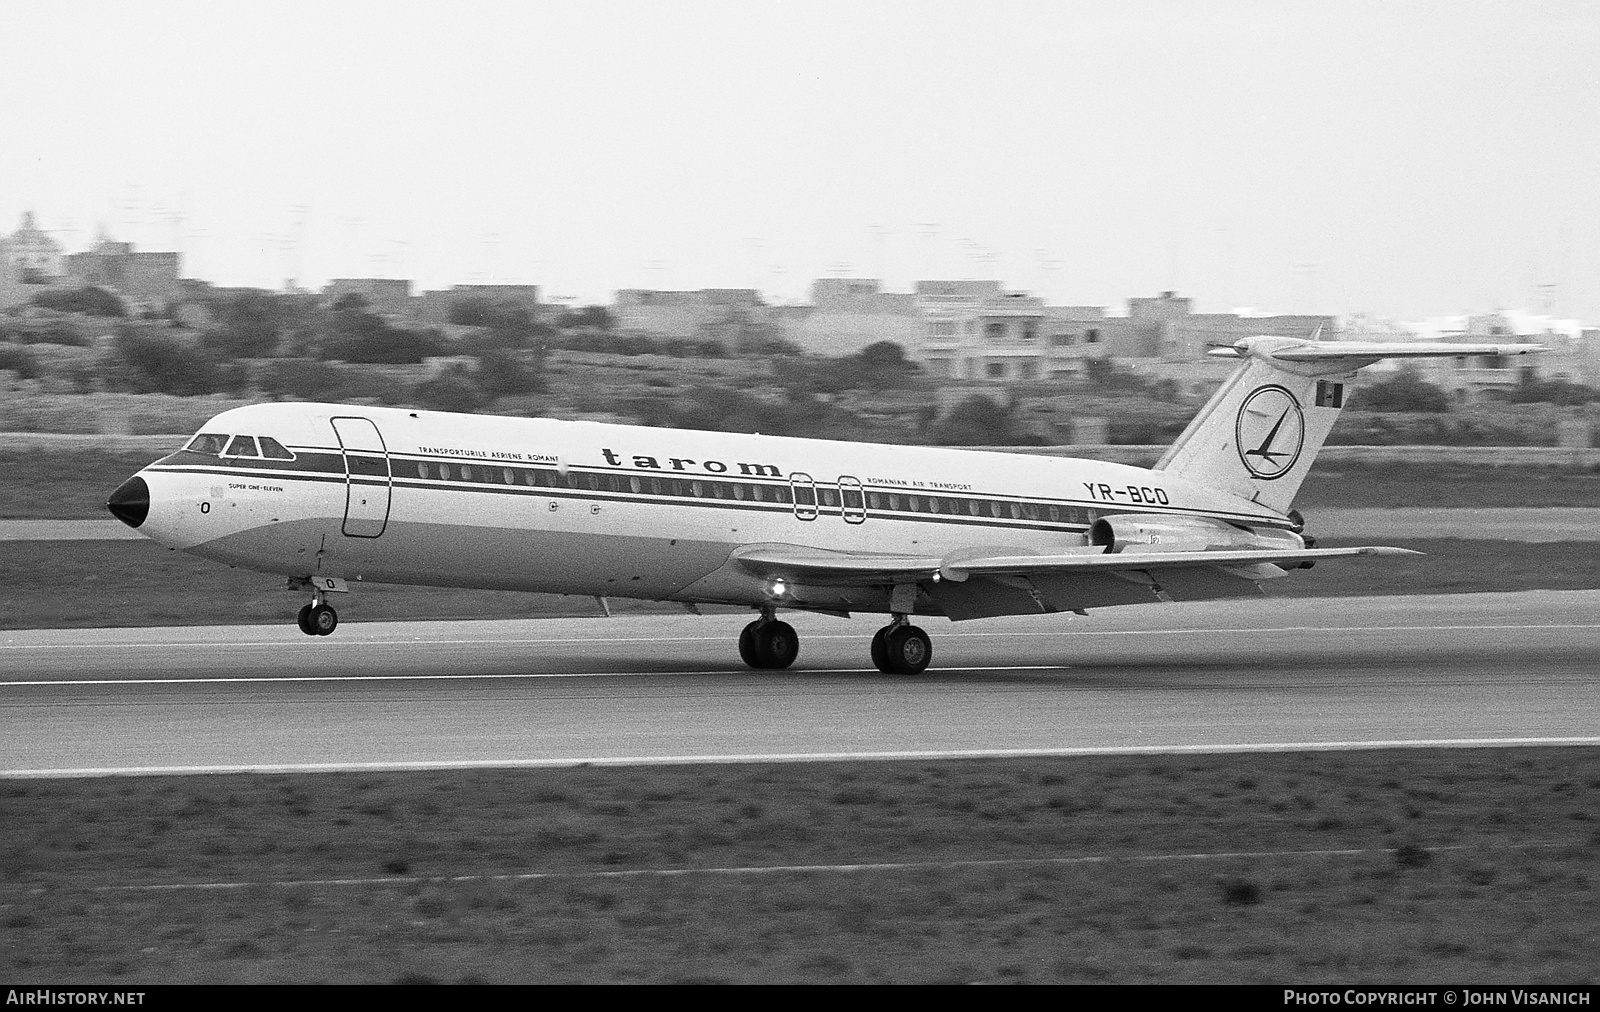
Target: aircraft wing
{"points": [[819, 566]]}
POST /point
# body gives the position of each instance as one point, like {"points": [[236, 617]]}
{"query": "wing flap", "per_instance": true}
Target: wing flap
{"points": [[820, 566], [1023, 565]]}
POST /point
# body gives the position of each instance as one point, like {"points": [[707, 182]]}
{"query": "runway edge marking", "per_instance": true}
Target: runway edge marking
{"points": [[685, 760]]}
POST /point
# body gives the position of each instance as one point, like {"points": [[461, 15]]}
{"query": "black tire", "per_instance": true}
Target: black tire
{"points": [[747, 645], [880, 651], [777, 645], [910, 650], [303, 620], [322, 620]]}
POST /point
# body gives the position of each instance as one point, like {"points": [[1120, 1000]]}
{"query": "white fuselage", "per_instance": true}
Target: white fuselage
{"points": [[420, 497]]}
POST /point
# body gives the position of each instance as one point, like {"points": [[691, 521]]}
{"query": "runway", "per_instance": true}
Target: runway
{"points": [[1264, 674]]}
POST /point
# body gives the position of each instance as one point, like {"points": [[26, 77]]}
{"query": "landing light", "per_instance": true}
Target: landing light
{"points": [[779, 588]]}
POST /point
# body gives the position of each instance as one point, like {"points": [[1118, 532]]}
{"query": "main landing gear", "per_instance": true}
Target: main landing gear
{"points": [[899, 648], [768, 643]]}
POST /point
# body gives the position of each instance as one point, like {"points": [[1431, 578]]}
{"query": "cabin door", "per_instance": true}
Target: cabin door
{"points": [[804, 489], [367, 480], [852, 500]]}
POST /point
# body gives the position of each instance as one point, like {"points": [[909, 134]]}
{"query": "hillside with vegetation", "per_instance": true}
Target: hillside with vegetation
{"points": [[79, 362]]}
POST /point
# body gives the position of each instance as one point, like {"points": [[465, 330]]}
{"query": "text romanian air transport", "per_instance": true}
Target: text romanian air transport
{"points": [[330, 494]]}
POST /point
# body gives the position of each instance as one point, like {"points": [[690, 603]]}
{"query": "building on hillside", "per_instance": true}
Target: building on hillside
{"points": [[1572, 355], [384, 296], [30, 262], [436, 307], [31, 252], [847, 315], [706, 314], [144, 280], [974, 330]]}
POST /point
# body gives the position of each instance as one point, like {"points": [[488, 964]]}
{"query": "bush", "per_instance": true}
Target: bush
{"points": [[596, 317], [299, 379], [19, 361], [154, 364], [511, 324], [355, 336], [249, 325], [500, 373], [1552, 392], [45, 332], [1405, 392], [454, 390], [90, 301], [978, 421]]}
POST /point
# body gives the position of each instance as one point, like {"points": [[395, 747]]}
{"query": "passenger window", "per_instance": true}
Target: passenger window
{"points": [[422, 469], [973, 507], [242, 446], [894, 502], [466, 472], [511, 477], [1055, 513], [874, 500], [530, 478], [274, 450], [830, 497], [994, 507], [208, 442], [697, 490], [1016, 512], [444, 472], [914, 503], [739, 491], [758, 493]]}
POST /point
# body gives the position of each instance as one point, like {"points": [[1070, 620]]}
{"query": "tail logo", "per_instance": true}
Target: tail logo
{"points": [[1269, 432]]}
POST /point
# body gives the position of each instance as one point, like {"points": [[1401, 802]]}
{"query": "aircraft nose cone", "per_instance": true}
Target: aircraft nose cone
{"points": [[130, 503]]}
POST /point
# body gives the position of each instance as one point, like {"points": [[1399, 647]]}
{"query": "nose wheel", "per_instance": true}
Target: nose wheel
{"points": [[317, 619]]}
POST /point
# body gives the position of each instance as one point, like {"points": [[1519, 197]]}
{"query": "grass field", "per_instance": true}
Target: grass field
{"points": [[1418, 866]]}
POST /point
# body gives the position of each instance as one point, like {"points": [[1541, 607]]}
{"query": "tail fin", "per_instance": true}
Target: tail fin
{"points": [[1259, 433]]}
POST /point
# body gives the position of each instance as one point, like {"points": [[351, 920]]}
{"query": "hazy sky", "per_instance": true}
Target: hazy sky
{"points": [[1396, 158]]}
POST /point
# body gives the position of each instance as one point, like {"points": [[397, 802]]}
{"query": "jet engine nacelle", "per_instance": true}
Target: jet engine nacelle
{"points": [[1149, 532]]}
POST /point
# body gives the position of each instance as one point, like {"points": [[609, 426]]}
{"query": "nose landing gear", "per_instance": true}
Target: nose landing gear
{"points": [[318, 618]]}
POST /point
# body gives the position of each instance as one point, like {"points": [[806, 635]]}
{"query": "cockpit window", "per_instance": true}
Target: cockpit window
{"points": [[208, 442], [242, 446], [274, 450]]}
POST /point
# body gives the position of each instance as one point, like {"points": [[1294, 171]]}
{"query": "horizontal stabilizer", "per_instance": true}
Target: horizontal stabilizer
{"points": [[1374, 350]]}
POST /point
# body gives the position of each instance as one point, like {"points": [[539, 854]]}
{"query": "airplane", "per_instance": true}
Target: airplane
{"points": [[332, 495]]}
